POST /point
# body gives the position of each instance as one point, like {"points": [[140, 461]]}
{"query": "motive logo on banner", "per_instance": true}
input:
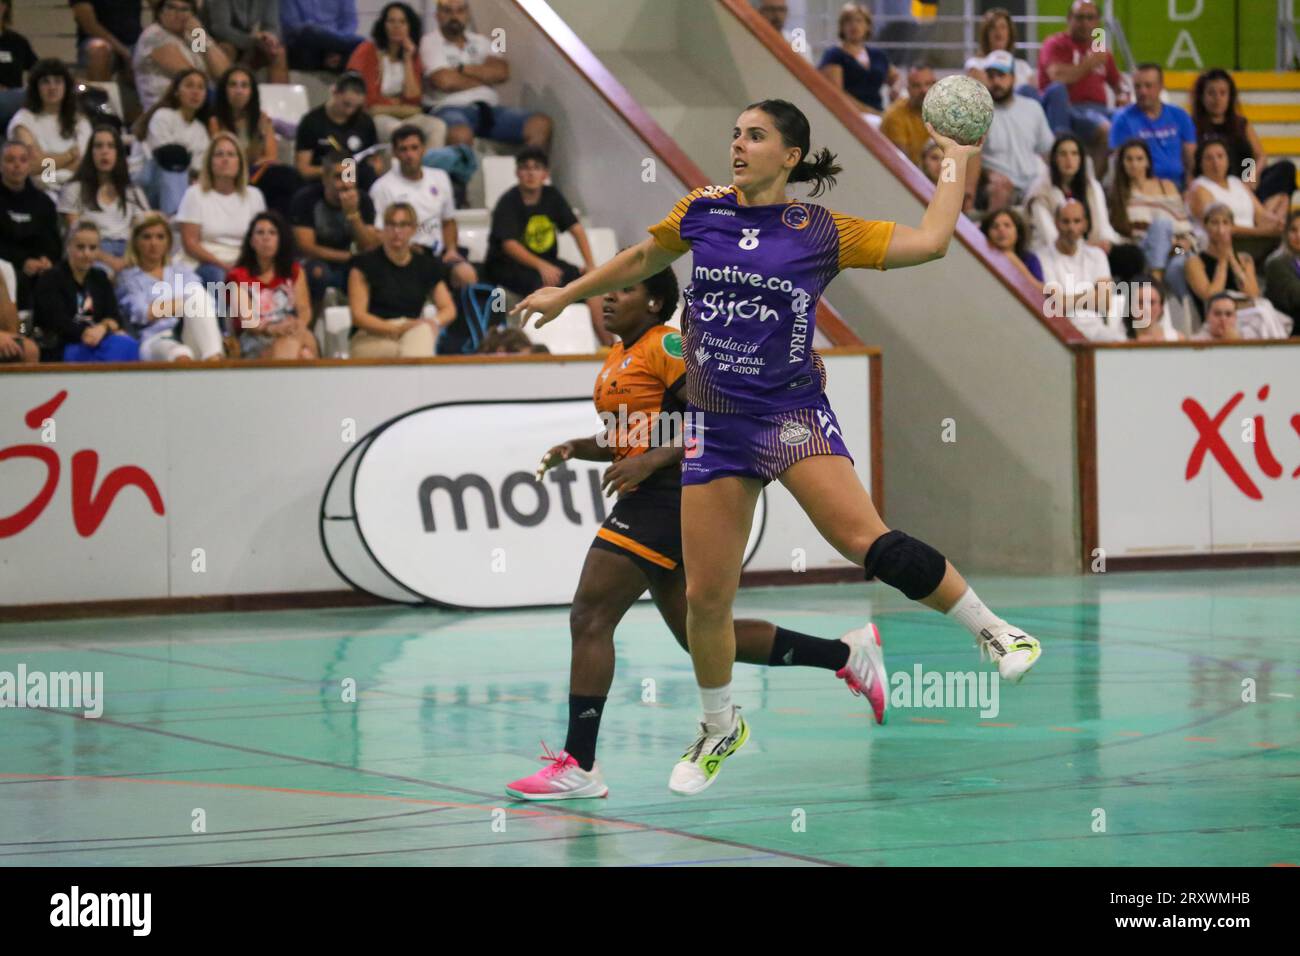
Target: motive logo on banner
{"points": [[445, 505]]}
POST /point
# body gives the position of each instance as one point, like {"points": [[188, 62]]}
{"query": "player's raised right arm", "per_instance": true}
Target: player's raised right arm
{"points": [[627, 268], [913, 246]]}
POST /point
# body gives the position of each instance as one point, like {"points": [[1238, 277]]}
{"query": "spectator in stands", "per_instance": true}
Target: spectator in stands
{"points": [[1146, 312], [320, 34], [1216, 112], [216, 211], [1017, 141], [29, 224], [388, 288], [502, 340], [14, 346], [390, 64], [50, 125], [340, 124], [1215, 185], [166, 47], [173, 138], [1073, 77], [1005, 231], [75, 308], [1166, 129], [103, 193], [1067, 177], [997, 32], [1219, 267], [1282, 272], [932, 161], [775, 13], [106, 32], [238, 109], [902, 123], [154, 292], [1147, 210], [1220, 320], [177, 119], [16, 58], [523, 246], [330, 218], [249, 30], [857, 69], [429, 193], [274, 306], [461, 74], [1077, 275]]}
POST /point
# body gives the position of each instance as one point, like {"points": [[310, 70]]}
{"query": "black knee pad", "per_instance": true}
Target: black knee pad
{"points": [[902, 562]]}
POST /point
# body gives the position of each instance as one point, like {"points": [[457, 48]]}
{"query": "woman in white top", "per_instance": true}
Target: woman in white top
{"points": [[48, 125], [168, 46], [102, 193], [1067, 177], [215, 212], [1213, 186], [998, 32], [177, 118]]}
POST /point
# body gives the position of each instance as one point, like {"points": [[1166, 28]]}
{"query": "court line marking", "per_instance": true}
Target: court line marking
{"points": [[429, 783]]}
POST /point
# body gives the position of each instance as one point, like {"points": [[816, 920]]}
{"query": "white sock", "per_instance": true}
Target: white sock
{"points": [[718, 713], [970, 613]]}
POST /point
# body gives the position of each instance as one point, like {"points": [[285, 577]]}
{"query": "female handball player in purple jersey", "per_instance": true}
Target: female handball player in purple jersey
{"points": [[760, 262]]}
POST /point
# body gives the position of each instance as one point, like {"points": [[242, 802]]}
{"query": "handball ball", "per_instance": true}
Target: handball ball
{"points": [[959, 107]]}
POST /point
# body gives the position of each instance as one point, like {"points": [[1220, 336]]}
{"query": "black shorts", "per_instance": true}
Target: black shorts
{"points": [[646, 526]]}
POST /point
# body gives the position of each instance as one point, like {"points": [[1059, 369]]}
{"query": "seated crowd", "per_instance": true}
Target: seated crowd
{"points": [[1087, 193], [178, 233]]}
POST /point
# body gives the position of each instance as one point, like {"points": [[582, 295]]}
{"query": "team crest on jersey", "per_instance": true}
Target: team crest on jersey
{"points": [[796, 215], [795, 433], [672, 343]]}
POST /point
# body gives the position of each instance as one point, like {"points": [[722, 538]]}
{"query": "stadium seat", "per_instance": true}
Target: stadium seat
{"points": [[604, 246], [286, 102], [569, 334], [498, 177]]}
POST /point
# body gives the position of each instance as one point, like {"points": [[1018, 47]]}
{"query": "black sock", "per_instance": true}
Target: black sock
{"points": [[792, 649], [584, 725]]}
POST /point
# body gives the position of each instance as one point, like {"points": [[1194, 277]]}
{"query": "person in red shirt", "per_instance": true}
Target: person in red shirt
{"points": [[1073, 73]]}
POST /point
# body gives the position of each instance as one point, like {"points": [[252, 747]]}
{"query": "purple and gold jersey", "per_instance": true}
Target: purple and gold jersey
{"points": [[756, 276]]}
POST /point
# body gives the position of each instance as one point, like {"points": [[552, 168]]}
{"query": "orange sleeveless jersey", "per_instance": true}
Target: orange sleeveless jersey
{"points": [[634, 386]]}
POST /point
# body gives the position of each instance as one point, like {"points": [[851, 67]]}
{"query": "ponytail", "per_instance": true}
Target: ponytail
{"points": [[821, 171]]}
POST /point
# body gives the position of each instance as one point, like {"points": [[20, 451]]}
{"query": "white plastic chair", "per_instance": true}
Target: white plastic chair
{"points": [[570, 334], [286, 102]]}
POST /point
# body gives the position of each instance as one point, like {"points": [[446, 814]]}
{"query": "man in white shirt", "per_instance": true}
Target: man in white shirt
{"points": [[429, 191], [1017, 142], [461, 74], [1076, 276]]}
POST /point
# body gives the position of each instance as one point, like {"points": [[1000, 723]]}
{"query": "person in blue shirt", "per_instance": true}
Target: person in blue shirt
{"points": [[320, 34], [1167, 130], [854, 67]]}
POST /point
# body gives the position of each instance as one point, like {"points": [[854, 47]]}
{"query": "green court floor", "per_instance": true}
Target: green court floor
{"points": [[1130, 744]]}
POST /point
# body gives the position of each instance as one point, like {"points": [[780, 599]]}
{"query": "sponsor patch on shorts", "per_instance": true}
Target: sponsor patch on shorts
{"points": [[795, 433]]}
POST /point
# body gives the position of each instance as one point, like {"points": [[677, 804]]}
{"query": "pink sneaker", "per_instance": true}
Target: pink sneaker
{"points": [[561, 779], [865, 672]]}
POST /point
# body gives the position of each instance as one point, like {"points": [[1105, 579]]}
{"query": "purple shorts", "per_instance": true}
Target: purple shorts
{"points": [[758, 446]]}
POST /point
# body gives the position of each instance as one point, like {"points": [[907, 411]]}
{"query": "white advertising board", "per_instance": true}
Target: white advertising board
{"points": [[211, 481], [1198, 450]]}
